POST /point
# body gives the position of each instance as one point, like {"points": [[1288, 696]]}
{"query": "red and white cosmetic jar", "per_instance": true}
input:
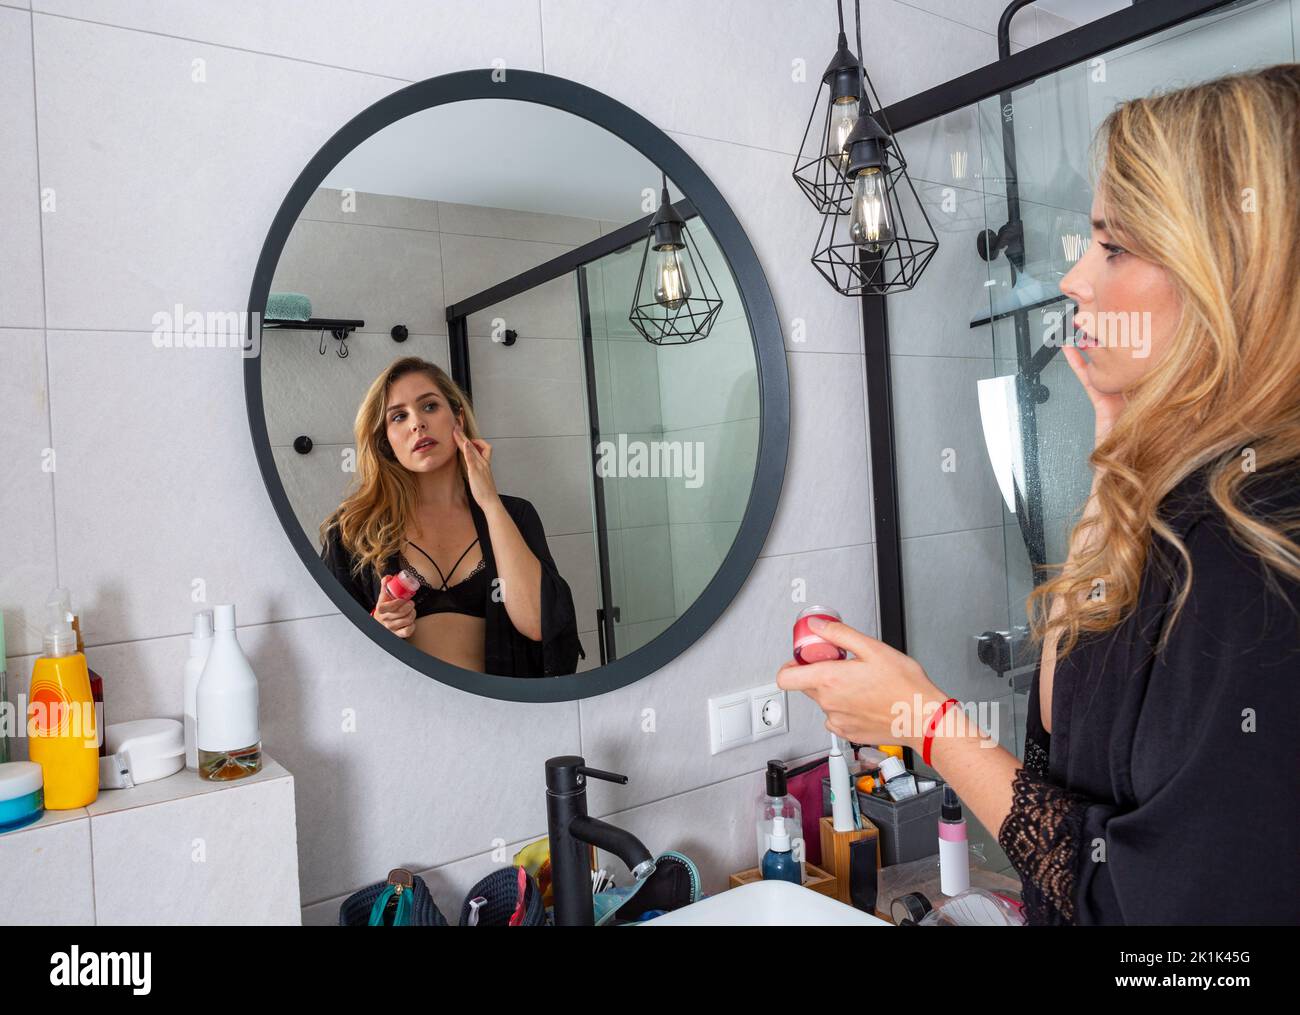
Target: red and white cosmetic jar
{"points": [[810, 647], [402, 585]]}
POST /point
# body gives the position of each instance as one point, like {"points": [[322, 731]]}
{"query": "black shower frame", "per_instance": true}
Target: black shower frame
{"points": [[1132, 24], [573, 262]]}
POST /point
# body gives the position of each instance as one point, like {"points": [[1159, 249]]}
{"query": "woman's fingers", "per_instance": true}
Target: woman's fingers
{"points": [[843, 636], [794, 677], [397, 615], [1075, 358]]}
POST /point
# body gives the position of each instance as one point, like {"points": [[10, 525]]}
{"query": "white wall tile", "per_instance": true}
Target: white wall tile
{"points": [[22, 298], [142, 225], [227, 857], [45, 872], [157, 487], [27, 493], [826, 499], [407, 39]]}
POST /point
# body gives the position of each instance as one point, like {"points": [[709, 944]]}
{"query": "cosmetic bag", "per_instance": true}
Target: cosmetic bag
{"points": [[675, 883], [509, 898], [401, 901]]}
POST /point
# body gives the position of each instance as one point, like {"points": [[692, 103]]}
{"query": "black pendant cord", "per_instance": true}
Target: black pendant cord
{"points": [[865, 87], [863, 105]]}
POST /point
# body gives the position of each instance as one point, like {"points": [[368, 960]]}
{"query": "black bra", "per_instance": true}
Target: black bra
{"points": [[467, 596]]}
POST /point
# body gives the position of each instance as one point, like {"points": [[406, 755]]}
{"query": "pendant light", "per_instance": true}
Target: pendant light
{"points": [[866, 244], [676, 300], [822, 161]]}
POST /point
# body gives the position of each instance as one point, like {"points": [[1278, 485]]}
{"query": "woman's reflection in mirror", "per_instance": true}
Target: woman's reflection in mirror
{"points": [[424, 500]]}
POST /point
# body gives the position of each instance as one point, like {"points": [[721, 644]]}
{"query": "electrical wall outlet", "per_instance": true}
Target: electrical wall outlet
{"points": [[743, 717]]}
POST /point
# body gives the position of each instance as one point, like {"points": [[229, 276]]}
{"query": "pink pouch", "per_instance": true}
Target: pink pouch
{"points": [[805, 785]]}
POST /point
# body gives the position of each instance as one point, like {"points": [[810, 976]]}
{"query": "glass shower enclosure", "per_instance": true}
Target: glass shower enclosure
{"points": [[991, 430], [636, 547]]}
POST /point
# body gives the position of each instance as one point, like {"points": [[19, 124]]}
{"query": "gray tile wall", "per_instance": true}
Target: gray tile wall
{"points": [[165, 138]]}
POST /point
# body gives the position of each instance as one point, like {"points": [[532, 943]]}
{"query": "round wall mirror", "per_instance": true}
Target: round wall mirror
{"points": [[519, 394]]}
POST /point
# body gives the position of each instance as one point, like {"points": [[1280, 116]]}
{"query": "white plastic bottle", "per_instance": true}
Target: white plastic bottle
{"points": [[229, 737], [954, 859], [200, 644]]}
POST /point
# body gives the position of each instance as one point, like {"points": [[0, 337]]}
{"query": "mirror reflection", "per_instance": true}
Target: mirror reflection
{"points": [[510, 388]]}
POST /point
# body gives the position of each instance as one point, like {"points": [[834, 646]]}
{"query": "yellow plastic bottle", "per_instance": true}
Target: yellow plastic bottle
{"points": [[61, 723]]}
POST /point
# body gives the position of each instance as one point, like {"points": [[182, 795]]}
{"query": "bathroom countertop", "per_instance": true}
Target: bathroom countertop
{"points": [[185, 783], [188, 839]]}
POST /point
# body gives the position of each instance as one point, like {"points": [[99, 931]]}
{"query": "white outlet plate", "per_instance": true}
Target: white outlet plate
{"points": [[743, 717]]}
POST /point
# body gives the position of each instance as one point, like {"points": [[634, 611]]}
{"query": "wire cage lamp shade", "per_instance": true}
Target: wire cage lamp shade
{"points": [[854, 174], [820, 165], [874, 249], [676, 300]]}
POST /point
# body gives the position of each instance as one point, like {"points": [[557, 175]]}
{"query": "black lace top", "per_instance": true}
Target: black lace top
{"points": [[506, 651], [467, 596], [1166, 792]]}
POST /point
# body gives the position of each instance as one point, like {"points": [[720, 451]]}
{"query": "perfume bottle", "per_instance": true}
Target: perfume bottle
{"points": [[229, 737]]}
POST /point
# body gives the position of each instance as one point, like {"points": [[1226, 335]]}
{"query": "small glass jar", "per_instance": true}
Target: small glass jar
{"points": [[809, 647]]}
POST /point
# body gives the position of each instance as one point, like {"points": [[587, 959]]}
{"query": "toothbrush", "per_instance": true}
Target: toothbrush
{"points": [[841, 791]]}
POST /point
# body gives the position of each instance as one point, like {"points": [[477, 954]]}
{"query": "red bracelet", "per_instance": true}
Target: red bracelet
{"points": [[934, 722]]}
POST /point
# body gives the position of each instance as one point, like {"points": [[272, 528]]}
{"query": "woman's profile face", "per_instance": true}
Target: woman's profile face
{"points": [[1127, 309], [419, 423]]}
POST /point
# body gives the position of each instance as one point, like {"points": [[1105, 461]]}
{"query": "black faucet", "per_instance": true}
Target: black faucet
{"points": [[571, 831]]}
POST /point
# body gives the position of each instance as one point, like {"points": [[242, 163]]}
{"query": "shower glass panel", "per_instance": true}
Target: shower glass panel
{"points": [[638, 457], [993, 431], [674, 441]]}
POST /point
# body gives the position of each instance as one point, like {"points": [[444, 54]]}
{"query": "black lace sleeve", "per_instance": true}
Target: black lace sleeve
{"points": [[1042, 837]]}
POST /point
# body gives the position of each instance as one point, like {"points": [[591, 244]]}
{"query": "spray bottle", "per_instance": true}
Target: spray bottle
{"points": [[61, 724]]}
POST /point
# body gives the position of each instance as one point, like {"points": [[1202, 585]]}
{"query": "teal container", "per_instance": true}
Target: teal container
{"points": [[22, 794]]}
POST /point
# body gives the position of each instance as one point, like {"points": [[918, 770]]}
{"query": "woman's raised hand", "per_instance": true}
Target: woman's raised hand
{"points": [[1106, 408], [879, 697], [478, 468]]}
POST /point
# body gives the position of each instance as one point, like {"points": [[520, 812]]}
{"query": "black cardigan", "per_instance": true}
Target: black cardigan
{"points": [[1166, 792], [506, 652]]}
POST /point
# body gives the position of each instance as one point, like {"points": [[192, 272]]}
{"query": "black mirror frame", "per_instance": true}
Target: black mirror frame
{"points": [[765, 331]]}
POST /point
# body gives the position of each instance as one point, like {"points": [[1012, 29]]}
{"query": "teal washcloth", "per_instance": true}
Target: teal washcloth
{"points": [[288, 307]]}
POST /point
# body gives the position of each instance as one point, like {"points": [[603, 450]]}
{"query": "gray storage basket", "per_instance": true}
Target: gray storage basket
{"points": [[909, 829]]}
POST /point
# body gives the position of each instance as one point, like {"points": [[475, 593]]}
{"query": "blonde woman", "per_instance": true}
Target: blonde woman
{"points": [[491, 598], [1159, 783]]}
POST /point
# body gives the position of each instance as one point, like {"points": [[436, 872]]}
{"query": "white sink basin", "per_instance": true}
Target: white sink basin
{"points": [[767, 904]]}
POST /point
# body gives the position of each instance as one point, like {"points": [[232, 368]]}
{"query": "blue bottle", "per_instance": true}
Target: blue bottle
{"points": [[779, 863]]}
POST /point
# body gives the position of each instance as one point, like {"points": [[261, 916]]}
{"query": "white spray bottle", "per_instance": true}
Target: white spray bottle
{"points": [[200, 644], [230, 739]]}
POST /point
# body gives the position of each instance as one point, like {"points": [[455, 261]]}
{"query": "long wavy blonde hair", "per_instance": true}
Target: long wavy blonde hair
{"points": [[373, 518], [1205, 182]]}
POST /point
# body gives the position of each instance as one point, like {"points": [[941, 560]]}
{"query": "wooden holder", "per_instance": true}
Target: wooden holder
{"points": [[818, 880], [835, 853]]}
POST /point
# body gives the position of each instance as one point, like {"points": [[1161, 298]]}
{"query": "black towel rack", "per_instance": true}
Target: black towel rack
{"points": [[340, 328]]}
